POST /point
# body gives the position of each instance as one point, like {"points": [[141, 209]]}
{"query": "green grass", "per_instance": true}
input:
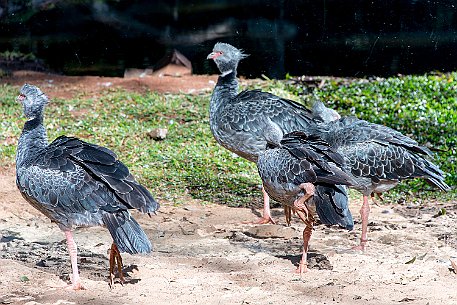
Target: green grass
{"points": [[423, 107], [190, 164], [187, 163]]}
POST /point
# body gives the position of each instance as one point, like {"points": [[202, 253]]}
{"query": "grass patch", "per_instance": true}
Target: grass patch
{"points": [[189, 162], [422, 107]]}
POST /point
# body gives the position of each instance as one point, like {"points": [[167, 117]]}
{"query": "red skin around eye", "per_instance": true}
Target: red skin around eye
{"points": [[216, 55]]}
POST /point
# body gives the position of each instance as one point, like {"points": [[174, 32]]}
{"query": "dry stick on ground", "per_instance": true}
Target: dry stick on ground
{"points": [[454, 266]]}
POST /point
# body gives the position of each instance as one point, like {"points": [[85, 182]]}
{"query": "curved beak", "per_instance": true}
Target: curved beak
{"points": [[213, 55], [20, 98]]}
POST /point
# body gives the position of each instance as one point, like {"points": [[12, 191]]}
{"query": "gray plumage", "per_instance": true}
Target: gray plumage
{"points": [[300, 159], [324, 113], [245, 122], [76, 183], [378, 157]]}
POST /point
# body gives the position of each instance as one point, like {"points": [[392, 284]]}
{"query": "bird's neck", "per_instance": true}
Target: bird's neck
{"points": [[226, 88], [33, 139]]}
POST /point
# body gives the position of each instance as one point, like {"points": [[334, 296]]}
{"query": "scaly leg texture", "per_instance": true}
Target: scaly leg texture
{"points": [[266, 216], [300, 203], [309, 190], [72, 250], [309, 222], [364, 213], [115, 258], [303, 212]]}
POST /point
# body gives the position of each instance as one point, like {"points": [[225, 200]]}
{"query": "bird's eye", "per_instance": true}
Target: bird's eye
{"points": [[21, 97]]}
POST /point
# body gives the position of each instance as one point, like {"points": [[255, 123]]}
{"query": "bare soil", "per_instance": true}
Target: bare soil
{"points": [[203, 254], [55, 85]]}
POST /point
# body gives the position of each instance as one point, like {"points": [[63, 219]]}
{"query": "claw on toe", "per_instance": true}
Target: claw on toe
{"points": [[300, 203], [361, 246], [74, 286], [374, 200], [78, 286], [358, 248]]}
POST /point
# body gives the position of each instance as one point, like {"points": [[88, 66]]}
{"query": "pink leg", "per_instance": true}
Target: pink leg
{"points": [[300, 203], [266, 217], [308, 219], [309, 189], [302, 211], [72, 249], [364, 212]]}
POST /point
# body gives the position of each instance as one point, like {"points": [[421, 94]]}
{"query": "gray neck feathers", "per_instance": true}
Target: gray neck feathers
{"points": [[226, 88], [32, 140]]}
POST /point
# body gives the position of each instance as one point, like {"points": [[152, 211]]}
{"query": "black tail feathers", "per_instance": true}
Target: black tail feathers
{"points": [[127, 233], [332, 205]]}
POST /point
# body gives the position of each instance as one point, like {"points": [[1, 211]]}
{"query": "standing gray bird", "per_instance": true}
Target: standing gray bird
{"points": [[76, 183], [368, 157], [377, 158], [302, 167], [245, 122]]}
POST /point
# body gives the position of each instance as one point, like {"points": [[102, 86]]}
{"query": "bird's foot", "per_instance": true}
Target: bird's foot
{"points": [[374, 200], [361, 246], [122, 280], [300, 203], [358, 248], [78, 286], [261, 221], [74, 286], [302, 268]]}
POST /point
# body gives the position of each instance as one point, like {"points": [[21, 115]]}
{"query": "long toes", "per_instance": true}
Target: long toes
{"points": [[261, 221], [358, 248], [75, 286], [111, 281], [301, 269], [122, 279]]}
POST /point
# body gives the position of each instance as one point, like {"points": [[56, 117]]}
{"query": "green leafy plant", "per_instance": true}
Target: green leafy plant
{"points": [[188, 164]]}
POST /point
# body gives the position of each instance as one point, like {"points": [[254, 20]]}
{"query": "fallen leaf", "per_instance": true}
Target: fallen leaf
{"points": [[23, 278], [406, 300], [411, 260]]}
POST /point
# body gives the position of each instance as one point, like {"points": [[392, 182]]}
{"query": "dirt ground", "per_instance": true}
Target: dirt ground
{"points": [[55, 85], [203, 254]]}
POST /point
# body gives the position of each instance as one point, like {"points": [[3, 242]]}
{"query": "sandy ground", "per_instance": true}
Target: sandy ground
{"points": [[70, 86], [203, 254]]}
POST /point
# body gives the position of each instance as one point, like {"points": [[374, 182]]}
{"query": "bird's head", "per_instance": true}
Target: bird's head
{"points": [[32, 100], [226, 57], [325, 114]]}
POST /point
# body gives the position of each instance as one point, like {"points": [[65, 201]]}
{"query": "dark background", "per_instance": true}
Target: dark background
{"points": [[320, 37]]}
